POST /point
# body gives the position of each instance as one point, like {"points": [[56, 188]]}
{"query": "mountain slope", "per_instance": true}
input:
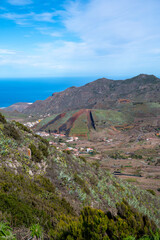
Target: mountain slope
{"points": [[100, 94], [81, 122], [39, 184]]}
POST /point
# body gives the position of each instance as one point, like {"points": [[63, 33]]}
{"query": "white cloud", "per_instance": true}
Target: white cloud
{"points": [[28, 18], [50, 32], [43, 17], [7, 52], [19, 2], [111, 26]]}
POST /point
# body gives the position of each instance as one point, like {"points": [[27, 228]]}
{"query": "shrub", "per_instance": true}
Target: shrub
{"points": [[136, 156], [67, 206], [44, 149], [151, 191], [117, 155], [2, 119], [83, 159], [96, 225], [36, 153], [43, 140], [11, 131]]}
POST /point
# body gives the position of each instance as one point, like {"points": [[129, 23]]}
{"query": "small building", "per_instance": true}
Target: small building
{"points": [[89, 150]]}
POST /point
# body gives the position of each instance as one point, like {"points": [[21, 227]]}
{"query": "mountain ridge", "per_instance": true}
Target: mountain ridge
{"points": [[100, 94]]}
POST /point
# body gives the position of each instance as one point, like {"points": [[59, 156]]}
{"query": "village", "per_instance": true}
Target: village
{"points": [[65, 143]]}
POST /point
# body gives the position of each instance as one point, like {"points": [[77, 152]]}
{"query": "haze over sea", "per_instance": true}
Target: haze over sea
{"points": [[32, 89]]}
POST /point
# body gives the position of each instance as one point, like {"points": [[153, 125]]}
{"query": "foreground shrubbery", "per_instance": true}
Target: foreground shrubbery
{"points": [[94, 224], [25, 202]]}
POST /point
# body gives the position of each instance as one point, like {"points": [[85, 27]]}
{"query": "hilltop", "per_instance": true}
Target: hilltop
{"points": [[43, 185], [21, 106], [100, 94]]}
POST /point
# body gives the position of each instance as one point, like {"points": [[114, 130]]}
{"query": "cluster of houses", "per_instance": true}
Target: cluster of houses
{"points": [[55, 135], [74, 150], [78, 151], [43, 134], [58, 135], [32, 124]]}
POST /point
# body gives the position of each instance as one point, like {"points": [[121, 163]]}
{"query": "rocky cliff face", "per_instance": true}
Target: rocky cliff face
{"points": [[102, 93]]}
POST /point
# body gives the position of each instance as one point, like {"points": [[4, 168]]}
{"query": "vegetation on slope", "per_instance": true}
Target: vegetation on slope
{"points": [[81, 124], [51, 188]]}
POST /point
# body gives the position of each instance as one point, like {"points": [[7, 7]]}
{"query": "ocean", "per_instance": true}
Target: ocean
{"points": [[32, 89]]}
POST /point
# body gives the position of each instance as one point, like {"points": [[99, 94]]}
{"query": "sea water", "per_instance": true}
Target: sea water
{"points": [[32, 89]]}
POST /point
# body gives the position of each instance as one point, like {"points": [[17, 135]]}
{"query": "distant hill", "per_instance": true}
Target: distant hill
{"points": [[81, 122], [100, 94], [20, 107]]}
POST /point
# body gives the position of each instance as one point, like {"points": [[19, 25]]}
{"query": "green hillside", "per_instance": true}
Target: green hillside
{"points": [[53, 189], [80, 122]]}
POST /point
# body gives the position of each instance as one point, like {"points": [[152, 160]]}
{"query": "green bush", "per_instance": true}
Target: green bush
{"points": [[44, 149], [117, 155], [36, 153], [2, 119], [96, 225], [83, 159], [43, 140], [151, 191], [11, 131]]}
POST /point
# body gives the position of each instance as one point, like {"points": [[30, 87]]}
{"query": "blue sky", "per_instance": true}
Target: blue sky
{"points": [[101, 38]]}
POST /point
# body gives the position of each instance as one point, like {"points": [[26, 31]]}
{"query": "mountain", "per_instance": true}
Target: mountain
{"points": [[20, 107], [100, 94], [68, 197]]}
